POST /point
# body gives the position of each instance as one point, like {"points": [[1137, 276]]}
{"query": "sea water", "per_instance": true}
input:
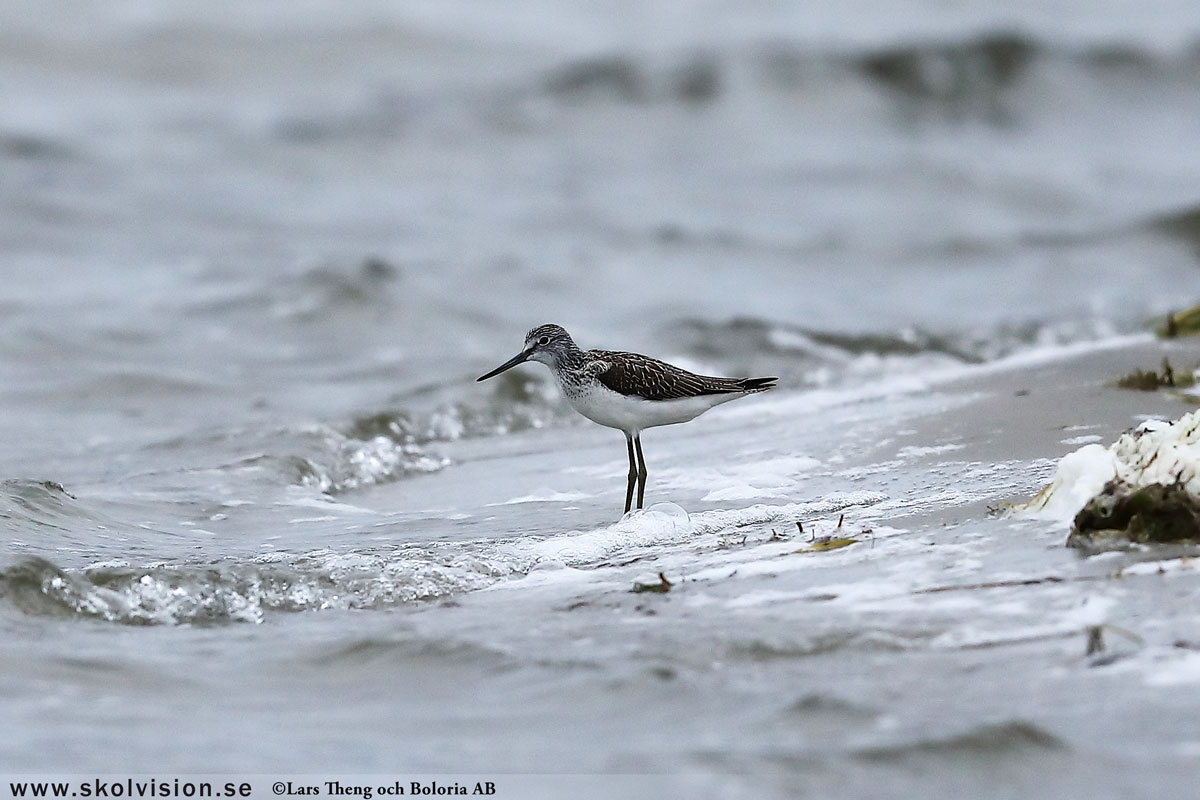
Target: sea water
{"points": [[258, 516]]}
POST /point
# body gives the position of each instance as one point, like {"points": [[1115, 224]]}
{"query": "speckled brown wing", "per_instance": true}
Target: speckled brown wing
{"points": [[634, 374]]}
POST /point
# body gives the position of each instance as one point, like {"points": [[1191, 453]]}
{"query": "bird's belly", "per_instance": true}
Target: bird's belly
{"points": [[631, 414]]}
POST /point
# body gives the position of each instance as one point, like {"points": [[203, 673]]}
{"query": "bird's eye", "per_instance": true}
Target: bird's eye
{"points": [[545, 340]]}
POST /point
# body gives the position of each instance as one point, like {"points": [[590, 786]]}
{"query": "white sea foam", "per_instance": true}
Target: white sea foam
{"points": [[1079, 477], [1086, 439], [770, 477], [544, 495], [915, 451], [1156, 452], [666, 524], [661, 524], [743, 492]]}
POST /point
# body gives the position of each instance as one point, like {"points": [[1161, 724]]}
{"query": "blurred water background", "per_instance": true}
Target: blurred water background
{"points": [[254, 254]]}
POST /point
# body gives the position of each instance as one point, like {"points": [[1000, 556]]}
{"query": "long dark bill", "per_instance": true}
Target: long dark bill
{"points": [[519, 358]]}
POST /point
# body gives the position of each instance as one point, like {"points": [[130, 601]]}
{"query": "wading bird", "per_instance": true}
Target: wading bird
{"points": [[627, 391]]}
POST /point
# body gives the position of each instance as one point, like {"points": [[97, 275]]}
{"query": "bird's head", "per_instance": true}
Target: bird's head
{"points": [[549, 344]]}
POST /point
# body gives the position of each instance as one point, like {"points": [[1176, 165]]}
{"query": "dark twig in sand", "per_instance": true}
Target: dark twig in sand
{"points": [[1097, 653], [966, 587], [662, 587], [1095, 640]]}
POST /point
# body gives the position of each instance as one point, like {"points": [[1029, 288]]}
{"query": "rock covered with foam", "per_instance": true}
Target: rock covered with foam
{"points": [[1144, 487]]}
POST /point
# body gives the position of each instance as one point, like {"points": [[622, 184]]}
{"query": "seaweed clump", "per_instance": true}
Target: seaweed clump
{"points": [[1180, 323], [1157, 513], [1150, 380]]}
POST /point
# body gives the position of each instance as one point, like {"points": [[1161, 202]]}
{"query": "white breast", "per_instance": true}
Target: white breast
{"points": [[632, 414]]}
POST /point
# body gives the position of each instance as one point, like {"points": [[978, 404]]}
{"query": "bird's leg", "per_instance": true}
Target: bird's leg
{"points": [[633, 475], [637, 440]]}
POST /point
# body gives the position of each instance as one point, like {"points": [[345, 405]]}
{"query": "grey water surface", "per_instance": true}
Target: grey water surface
{"points": [[254, 255]]}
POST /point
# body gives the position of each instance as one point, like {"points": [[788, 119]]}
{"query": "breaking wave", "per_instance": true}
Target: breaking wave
{"points": [[382, 446], [35, 501], [815, 357], [222, 592]]}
